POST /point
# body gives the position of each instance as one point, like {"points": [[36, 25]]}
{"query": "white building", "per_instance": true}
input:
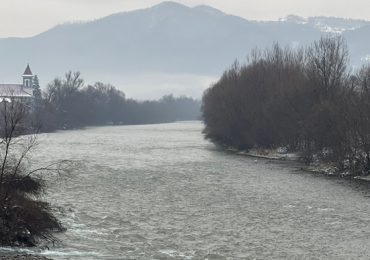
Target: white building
{"points": [[22, 92]]}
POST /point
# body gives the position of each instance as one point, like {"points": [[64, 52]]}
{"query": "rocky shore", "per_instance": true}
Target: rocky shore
{"points": [[282, 155], [24, 257]]}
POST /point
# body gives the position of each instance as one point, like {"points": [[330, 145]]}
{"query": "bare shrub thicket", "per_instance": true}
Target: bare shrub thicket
{"points": [[24, 219], [306, 100]]}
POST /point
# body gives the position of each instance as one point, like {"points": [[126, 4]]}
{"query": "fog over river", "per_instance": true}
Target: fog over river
{"points": [[163, 192]]}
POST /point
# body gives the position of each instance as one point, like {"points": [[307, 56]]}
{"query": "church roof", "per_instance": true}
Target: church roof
{"points": [[28, 70], [15, 90]]}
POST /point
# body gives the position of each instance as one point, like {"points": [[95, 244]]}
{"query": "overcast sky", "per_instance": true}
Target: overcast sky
{"points": [[29, 17]]}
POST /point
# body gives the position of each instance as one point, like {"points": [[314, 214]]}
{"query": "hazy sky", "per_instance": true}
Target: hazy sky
{"points": [[29, 17]]}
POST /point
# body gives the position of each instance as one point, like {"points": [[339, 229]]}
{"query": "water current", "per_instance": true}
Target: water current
{"points": [[163, 192]]}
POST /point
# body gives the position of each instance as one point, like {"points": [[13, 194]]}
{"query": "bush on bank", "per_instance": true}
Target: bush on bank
{"points": [[306, 100], [24, 218]]}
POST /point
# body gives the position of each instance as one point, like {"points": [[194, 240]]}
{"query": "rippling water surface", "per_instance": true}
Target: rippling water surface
{"points": [[163, 192]]}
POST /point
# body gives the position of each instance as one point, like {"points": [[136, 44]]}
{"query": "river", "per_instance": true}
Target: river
{"points": [[163, 192]]}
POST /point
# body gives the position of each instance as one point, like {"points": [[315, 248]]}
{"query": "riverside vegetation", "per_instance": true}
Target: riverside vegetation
{"points": [[24, 219], [67, 103], [306, 100]]}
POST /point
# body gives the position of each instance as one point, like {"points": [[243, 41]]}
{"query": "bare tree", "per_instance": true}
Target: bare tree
{"points": [[23, 218], [326, 66]]}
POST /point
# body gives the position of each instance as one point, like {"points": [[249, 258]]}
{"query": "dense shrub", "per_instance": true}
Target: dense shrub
{"points": [[305, 100]]}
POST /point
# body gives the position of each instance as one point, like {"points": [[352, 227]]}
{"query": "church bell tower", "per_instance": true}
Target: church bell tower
{"points": [[27, 77]]}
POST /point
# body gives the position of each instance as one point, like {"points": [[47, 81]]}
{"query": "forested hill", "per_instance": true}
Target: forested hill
{"points": [[131, 50]]}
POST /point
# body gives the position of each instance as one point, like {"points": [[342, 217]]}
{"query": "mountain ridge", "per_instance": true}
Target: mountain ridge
{"points": [[168, 39]]}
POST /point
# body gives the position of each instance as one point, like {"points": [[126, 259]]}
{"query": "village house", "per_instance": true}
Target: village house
{"points": [[21, 92]]}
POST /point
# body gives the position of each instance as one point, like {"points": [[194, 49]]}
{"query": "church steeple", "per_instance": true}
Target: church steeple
{"points": [[27, 77]]}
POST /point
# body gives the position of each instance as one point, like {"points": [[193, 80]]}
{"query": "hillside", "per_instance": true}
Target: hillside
{"points": [[166, 48]]}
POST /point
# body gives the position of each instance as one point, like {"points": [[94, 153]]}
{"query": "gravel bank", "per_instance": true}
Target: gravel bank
{"points": [[24, 257]]}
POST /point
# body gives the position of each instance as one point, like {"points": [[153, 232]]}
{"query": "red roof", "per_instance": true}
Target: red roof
{"points": [[28, 70]]}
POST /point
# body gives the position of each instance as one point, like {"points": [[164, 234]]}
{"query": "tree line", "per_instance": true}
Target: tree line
{"points": [[67, 103], [308, 100]]}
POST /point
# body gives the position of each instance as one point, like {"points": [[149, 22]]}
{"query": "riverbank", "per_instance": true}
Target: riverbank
{"points": [[318, 167], [24, 257]]}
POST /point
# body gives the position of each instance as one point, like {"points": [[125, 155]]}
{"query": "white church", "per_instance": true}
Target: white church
{"points": [[20, 92]]}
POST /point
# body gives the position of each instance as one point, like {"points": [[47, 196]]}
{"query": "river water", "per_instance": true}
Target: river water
{"points": [[163, 192]]}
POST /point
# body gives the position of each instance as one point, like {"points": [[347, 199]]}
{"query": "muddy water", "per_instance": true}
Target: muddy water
{"points": [[162, 192]]}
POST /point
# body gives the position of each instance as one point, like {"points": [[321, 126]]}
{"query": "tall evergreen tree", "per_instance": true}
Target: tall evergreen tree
{"points": [[36, 89]]}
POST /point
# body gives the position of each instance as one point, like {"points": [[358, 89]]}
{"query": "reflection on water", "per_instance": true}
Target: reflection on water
{"points": [[162, 192]]}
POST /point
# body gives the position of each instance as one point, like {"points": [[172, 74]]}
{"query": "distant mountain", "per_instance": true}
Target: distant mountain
{"points": [[166, 48]]}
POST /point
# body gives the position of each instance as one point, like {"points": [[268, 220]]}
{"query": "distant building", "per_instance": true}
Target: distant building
{"points": [[20, 92]]}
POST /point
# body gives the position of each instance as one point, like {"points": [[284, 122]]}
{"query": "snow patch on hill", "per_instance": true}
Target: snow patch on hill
{"points": [[333, 25]]}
